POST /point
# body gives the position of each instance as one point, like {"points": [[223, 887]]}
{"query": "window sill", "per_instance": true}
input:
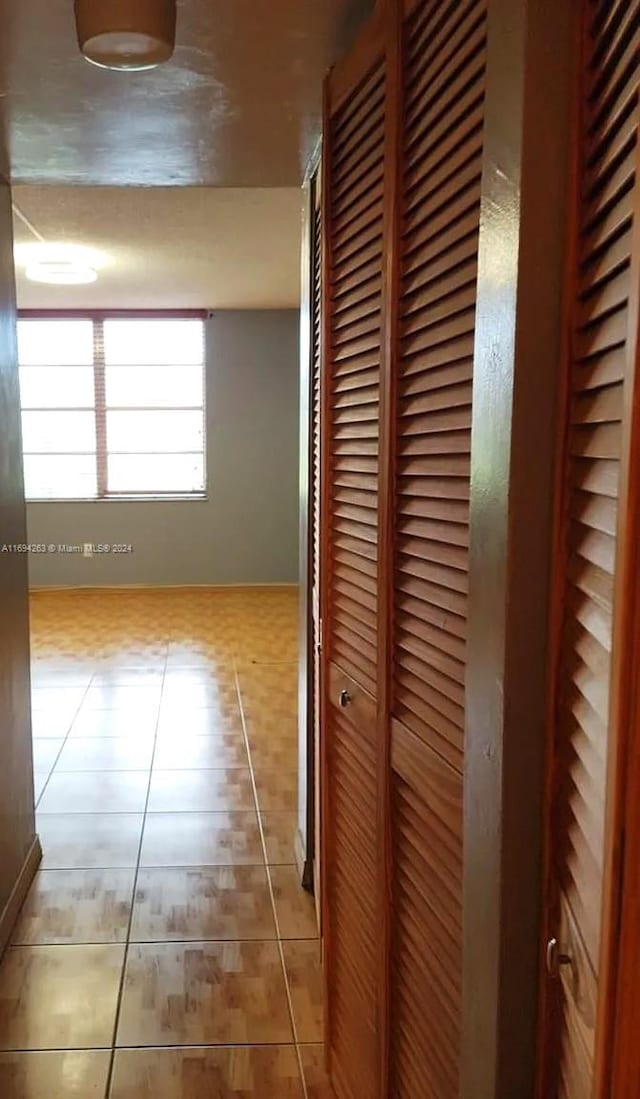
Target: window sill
{"points": [[189, 498]]}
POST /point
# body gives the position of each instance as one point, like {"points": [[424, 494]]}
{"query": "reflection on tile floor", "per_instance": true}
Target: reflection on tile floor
{"points": [[242, 1072], [69, 1075], [166, 950]]}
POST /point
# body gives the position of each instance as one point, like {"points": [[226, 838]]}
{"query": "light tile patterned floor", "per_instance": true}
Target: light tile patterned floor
{"points": [[166, 950]]}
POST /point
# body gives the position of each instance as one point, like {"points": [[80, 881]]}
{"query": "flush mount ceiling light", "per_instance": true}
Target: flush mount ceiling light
{"points": [[58, 264], [126, 34], [60, 274]]}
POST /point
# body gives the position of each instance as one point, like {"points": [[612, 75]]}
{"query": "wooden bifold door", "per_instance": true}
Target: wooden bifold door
{"points": [[353, 189], [401, 205], [596, 562], [442, 242]]}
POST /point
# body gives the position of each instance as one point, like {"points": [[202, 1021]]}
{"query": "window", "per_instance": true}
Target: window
{"points": [[112, 407]]}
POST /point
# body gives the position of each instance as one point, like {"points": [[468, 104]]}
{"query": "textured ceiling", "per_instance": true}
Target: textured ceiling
{"points": [[239, 104], [169, 247]]}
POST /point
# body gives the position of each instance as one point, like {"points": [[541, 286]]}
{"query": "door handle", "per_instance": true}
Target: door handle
{"points": [[344, 699], [556, 959]]}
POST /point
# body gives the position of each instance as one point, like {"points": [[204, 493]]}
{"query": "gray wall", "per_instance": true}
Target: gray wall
{"points": [[17, 829], [247, 529]]}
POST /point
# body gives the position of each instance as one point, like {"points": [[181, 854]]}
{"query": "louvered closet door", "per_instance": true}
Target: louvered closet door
{"points": [[354, 170], [443, 72], [607, 193], [314, 502]]}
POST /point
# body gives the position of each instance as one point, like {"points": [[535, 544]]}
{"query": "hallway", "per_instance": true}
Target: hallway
{"points": [[166, 949]]}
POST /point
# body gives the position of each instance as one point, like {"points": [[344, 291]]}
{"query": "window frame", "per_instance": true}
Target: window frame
{"points": [[97, 318]]}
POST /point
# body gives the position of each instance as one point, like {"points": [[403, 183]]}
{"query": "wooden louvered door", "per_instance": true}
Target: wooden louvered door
{"points": [[313, 671], [443, 75], [353, 183], [403, 163], [599, 375], [308, 847]]}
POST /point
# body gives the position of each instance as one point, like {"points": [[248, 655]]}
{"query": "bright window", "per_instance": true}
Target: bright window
{"points": [[112, 407]]}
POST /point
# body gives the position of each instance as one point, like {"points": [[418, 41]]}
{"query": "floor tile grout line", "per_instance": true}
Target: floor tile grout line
{"points": [[166, 813], [116, 1022], [160, 771], [162, 866], [68, 735], [263, 823], [62, 746], [168, 942], [202, 941], [285, 977], [178, 1048], [104, 771], [113, 736], [140, 812]]}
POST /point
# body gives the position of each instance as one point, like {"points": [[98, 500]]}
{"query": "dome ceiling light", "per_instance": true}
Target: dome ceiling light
{"points": [[58, 264], [126, 34]]}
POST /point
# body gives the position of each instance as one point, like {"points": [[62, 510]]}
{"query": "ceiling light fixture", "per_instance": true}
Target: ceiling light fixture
{"points": [[126, 34], [60, 274], [58, 264]]}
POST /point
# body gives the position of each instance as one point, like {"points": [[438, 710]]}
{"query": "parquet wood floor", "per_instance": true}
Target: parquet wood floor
{"points": [[166, 949]]}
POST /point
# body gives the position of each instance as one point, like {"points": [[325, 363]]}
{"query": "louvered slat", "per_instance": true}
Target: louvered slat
{"points": [[315, 503], [354, 211], [600, 319], [438, 289], [351, 897], [316, 300], [442, 136], [356, 170], [426, 975]]}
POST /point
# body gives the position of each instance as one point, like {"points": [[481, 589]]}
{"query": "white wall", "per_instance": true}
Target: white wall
{"points": [[247, 529]]}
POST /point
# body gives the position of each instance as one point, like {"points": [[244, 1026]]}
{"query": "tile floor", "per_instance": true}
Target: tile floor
{"points": [[166, 949]]}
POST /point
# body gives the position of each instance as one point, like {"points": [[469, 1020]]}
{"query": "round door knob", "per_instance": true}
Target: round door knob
{"points": [[344, 698]]}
